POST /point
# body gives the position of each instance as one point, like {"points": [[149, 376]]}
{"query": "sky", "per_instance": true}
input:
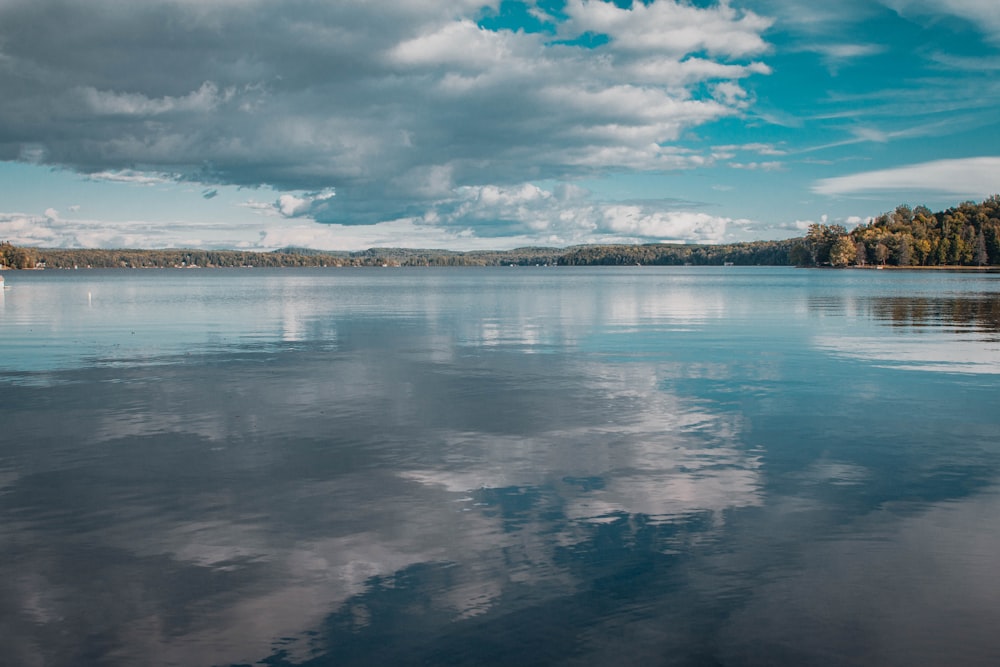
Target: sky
{"points": [[472, 124]]}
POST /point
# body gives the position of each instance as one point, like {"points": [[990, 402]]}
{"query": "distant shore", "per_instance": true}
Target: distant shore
{"points": [[773, 253], [946, 268]]}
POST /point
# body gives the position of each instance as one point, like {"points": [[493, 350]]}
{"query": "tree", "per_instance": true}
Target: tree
{"points": [[942, 252], [843, 251], [799, 255], [981, 257], [992, 237], [902, 217], [904, 252], [881, 253], [820, 240], [922, 249], [16, 257]]}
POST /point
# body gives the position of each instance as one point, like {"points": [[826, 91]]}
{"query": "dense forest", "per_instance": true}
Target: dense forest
{"points": [[966, 235], [671, 254]]}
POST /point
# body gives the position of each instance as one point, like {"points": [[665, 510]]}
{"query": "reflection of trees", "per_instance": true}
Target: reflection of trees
{"points": [[976, 313]]}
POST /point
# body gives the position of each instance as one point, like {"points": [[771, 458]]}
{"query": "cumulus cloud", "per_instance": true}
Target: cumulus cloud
{"points": [[296, 206], [969, 177], [672, 28], [567, 216], [394, 110], [468, 218]]}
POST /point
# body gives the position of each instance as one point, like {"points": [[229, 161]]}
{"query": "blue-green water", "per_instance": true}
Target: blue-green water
{"points": [[531, 466]]}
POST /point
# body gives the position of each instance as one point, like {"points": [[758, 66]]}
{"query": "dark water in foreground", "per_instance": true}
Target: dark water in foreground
{"points": [[645, 466]]}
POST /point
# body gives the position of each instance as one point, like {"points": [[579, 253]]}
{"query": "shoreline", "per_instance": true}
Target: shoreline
{"points": [[944, 267]]}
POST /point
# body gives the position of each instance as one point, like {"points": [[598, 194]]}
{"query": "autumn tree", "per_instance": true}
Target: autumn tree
{"points": [[843, 251]]}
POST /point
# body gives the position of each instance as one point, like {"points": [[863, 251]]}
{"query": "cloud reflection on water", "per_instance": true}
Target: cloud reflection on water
{"points": [[928, 594], [390, 470], [295, 491]]}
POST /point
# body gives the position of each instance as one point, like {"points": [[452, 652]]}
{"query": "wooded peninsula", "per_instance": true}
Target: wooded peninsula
{"points": [[967, 235]]}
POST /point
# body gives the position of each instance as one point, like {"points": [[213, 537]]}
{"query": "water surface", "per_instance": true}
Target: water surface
{"points": [[566, 466]]}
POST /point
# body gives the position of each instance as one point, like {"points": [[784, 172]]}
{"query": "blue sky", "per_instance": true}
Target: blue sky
{"points": [[467, 124]]}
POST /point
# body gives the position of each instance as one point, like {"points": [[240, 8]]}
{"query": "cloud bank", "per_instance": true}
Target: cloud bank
{"points": [[401, 113]]}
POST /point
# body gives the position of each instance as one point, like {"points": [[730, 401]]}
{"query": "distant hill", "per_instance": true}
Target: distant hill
{"points": [[759, 252]]}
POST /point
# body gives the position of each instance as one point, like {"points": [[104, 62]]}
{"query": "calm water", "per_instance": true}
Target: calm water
{"points": [[532, 466]]}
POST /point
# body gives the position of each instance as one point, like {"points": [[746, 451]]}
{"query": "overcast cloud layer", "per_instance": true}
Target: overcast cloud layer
{"points": [[466, 120]]}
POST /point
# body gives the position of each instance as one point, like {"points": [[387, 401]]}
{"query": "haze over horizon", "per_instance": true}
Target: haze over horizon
{"points": [[465, 124]]}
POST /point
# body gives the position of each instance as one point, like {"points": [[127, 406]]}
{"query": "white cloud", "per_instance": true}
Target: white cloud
{"points": [[405, 233], [982, 14], [846, 51], [680, 73], [837, 55], [206, 98], [569, 216], [464, 218], [260, 207], [297, 206], [133, 176], [463, 45], [757, 166], [759, 148], [637, 222], [968, 177], [671, 27], [393, 108], [52, 230], [730, 94]]}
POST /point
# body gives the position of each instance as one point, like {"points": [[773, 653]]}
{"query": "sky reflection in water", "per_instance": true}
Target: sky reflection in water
{"points": [[517, 466]]}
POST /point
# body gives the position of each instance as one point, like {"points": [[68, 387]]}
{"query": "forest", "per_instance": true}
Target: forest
{"points": [[967, 235]]}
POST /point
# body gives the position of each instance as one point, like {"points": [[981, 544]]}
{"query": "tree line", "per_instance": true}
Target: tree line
{"points": [[965, 235], [674, 254], [757, 252], [59, 258]]}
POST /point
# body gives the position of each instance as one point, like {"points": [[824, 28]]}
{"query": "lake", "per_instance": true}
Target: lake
{"points": [[500, 466]]}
